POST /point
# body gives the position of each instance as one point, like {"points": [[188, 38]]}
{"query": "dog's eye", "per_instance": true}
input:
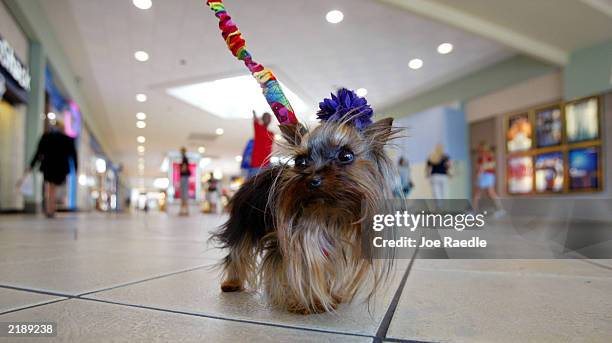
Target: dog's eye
{"points": [[301, 161], [346, 156]]}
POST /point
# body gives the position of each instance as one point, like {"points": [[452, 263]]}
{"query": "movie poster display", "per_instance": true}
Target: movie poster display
{"points": [[564, 154], [549, 172], [519, 134], [582, 120], [584, 167], [520, 175], [548, 127]]}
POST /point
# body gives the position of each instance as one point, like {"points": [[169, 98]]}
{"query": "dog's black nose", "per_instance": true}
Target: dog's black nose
{"points": [[316, 181]]}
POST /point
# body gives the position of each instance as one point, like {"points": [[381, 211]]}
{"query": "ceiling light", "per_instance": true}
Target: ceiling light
{"points": [[100, 165], [334, 16], [141, 97], [141, 124], [141, 56], [238, 158], [361, 92], [141, 116], [219, 131], [51, 116], [218, 97], [142, 4], [445, 48], [201, 150], [141, 148], [141, 139], [415, 63], [141, 167]]}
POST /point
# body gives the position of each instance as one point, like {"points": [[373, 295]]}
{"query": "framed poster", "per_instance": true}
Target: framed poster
{"points": [[582, 120], [584, 167], [548, 127], [519, 134], [520, 175], [176, 180], [549, 172]]}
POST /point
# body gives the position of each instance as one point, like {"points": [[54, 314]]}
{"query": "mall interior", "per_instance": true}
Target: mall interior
{"points": [[131, 82]]}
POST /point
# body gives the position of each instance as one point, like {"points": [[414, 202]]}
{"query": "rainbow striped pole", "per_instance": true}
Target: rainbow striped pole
{"points": [[269, 85]]}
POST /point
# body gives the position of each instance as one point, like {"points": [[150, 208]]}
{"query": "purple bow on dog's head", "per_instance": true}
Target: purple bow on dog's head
{"points": [[346, 103]]}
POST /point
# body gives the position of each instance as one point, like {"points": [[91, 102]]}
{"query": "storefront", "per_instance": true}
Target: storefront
{"points": [[14, 88]]}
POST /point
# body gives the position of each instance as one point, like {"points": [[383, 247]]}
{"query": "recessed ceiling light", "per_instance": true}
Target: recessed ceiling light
{"points": [[219, 131], [141, 148], [334, 16], [238, 158], [141, 139], [141, 56], [141, 116], [445, 48], [51, 116], [361, 92], [217, 97], [415, 63], [201, 150], [141, 124], [141, 97], [142, 4]]}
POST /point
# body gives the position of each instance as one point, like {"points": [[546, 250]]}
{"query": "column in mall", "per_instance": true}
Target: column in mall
{"points": [[34, 120]]}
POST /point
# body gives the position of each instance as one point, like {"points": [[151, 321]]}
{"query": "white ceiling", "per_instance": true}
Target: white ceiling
{"points": [[370, 48]]}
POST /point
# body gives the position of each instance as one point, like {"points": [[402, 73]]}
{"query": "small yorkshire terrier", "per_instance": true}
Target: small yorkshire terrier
{"points": [[296, 228]]}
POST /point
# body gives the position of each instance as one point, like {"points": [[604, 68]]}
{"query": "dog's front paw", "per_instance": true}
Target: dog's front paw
{"points": [[231, 286]]}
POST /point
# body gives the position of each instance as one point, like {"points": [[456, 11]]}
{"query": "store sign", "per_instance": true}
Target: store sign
{"points": [[13, 66]]}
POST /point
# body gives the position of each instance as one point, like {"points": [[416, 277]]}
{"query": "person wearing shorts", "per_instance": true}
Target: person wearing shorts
{"points": [[485, 178]]}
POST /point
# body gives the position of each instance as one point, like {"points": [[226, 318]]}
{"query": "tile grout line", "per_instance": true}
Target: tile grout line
{"points": [[246, 321], [80, 297], [381, 333], [142, 280], [33, 306]]}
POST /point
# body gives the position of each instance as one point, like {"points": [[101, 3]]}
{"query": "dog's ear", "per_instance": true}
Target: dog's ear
{"points": [[380, 132], [293, 133]]}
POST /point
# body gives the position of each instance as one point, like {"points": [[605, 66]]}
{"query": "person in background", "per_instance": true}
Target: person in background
{"points": [[245, 164], [185, 174], [212, 195], [263, 141], [438, 165], [55, 152], [405, 176], [485, 178]]}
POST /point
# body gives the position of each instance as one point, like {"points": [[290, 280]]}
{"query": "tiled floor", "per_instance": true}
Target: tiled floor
{"points": [[148, 278]]}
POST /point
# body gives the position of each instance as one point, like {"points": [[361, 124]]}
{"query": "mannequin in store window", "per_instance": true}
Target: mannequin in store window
{"points": [[54, 153]]}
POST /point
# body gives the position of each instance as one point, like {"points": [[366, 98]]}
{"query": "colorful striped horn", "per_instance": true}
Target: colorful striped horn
{"points": [[270, 86]]}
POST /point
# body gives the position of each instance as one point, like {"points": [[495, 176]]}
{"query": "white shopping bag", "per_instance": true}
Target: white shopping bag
{"points": [[27, 185]]}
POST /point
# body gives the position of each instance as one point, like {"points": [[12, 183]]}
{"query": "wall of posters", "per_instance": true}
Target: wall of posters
{"points": [[519, 133], [548, 127], [564, 154], [584, 169], [582, 120], [549, 172], [520, 175]]}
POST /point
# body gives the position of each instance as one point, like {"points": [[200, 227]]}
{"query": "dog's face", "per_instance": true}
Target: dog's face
{"points": [[336, 168]]}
